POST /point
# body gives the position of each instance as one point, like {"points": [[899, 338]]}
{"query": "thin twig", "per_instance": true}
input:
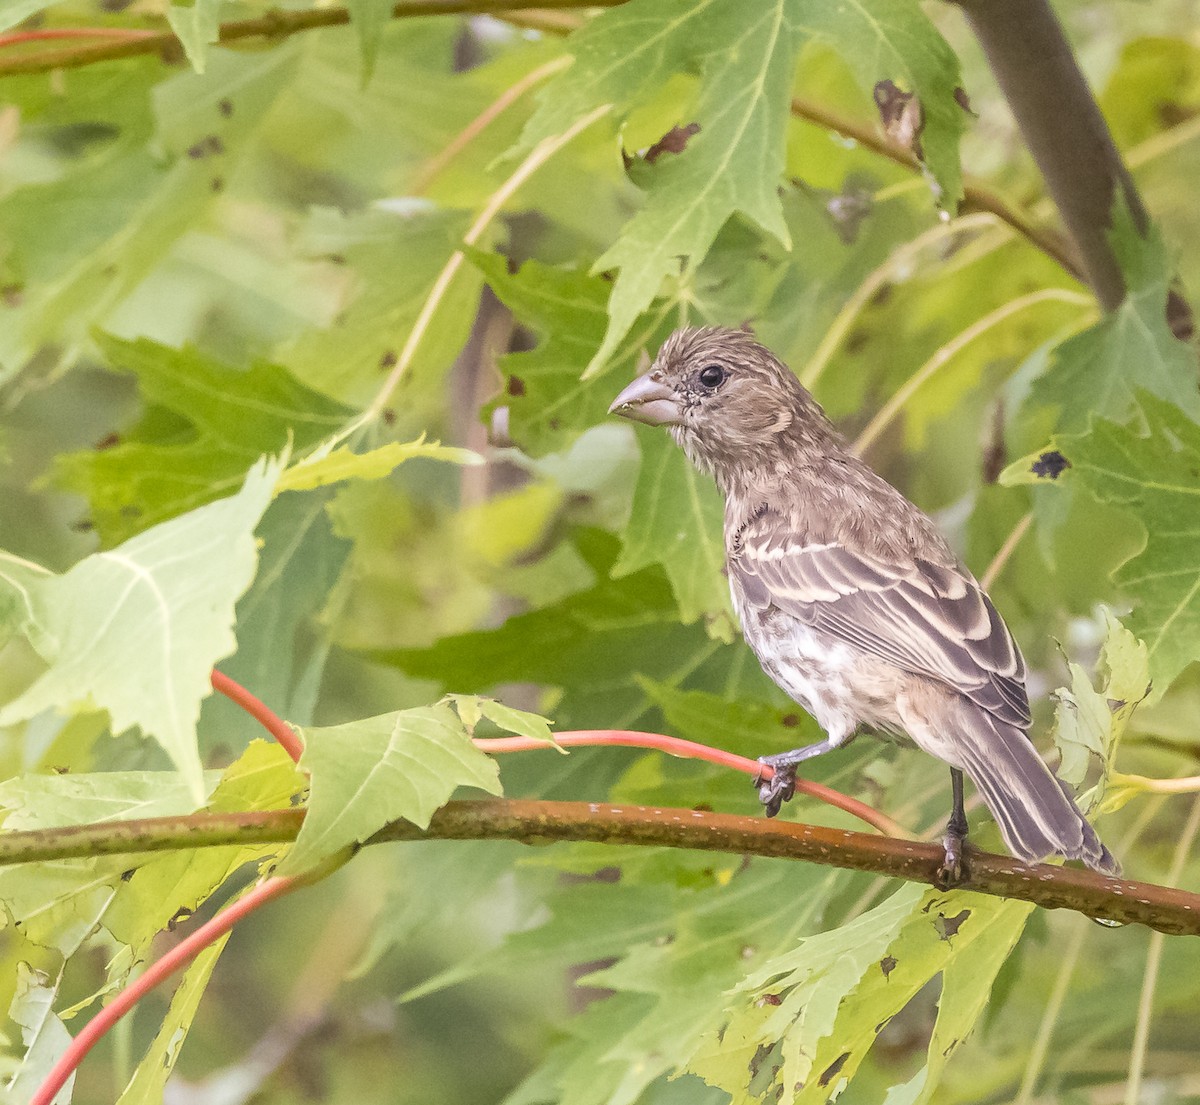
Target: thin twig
{"points": [[952, 348], [1141, 1031], [977, 196], [275, 24], [536, 158], [896, 262], [993, 570], [482, 121]]}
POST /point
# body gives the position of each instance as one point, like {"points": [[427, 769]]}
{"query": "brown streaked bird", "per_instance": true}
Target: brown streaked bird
{"points": [[851, 598]]}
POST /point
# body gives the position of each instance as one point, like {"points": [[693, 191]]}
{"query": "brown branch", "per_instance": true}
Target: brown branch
{"points": [[535, 822], [274, 25], [1062, 124], [976, 195]]}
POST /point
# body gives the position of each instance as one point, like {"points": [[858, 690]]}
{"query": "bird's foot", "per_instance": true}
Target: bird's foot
{"points": [[951, 871], [778, 788]]}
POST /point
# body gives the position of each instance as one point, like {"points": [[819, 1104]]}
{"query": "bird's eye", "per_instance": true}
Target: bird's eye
{"points": [[712, 376]]}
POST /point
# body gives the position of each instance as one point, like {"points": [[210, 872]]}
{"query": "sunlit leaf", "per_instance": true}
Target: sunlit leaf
{"points": [[175, 586], [367, 773]]}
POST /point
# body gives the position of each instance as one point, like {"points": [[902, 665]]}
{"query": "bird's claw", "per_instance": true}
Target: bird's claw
{"points": [[951, 871], [779, 788]]}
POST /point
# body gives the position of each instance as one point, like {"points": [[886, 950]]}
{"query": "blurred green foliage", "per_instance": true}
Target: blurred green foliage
{"points": [[240, 250]]}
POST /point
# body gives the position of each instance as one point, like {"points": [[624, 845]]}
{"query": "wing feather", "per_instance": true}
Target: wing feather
{"points": [[927, 618]]}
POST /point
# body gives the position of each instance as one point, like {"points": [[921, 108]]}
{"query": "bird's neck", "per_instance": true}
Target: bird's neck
{"points": [[788, 463]]}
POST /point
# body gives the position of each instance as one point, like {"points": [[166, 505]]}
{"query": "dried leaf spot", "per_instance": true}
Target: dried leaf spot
{"points": [[848, 209], [516, 387], [901, 115], [832, 1071], [790, 721], [769, 999], [1115, 704], [756, 1060], [107, 442], [210, 144], [225, 107], [674, 141], [13, 295], [949, 926], [1050, 465], [388, 360], [887, 965]]}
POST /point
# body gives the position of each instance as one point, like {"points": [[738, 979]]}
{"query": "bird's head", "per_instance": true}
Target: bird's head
{"points": [[728, 401]]}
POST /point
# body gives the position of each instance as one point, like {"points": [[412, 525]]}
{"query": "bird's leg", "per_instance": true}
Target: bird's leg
{"points": [[776, 790], [956, 832]]}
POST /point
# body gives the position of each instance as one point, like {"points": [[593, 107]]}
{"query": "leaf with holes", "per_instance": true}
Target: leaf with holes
{"points": [[1155, 476], [370, 772], [746, 59], [805, 1020]]}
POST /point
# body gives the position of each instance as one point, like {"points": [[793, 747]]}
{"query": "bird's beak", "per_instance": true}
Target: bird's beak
{"points": [[648, 400]]}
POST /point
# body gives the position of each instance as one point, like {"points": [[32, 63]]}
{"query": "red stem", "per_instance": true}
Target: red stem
{"points": [[18, 37], [677, 746], [179, 956], [261, 712]]}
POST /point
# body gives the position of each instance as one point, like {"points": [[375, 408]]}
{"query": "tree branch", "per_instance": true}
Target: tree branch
{"points": [[1098, 896], [1062, 124], [275, 24]]}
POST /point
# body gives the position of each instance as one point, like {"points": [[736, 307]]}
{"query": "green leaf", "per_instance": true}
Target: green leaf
{"points": [[171, 886], [595, 644], [735, 163], [1156, 477], [324, 466], [803, 1023], [282, 645], [206, 425], [1090, 722], [368, 18], [148, 1081], [368, 773], [137, 630], [18, 577], [51, 801], [470, 708], [79, 242], [59, 904], [968, 979], [1099, 371], [198, 26], [42, 1032], [548, 404], [677, 522], [395, 260]]}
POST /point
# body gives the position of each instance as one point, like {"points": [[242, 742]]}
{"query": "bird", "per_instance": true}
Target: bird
{"points": [[852, 599]]}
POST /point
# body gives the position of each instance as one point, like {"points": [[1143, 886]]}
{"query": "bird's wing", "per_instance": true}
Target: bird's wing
{"points": [[926, 618]]}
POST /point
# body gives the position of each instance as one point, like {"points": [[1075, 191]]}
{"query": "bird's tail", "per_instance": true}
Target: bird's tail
{"points": [[1035, 811]]}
